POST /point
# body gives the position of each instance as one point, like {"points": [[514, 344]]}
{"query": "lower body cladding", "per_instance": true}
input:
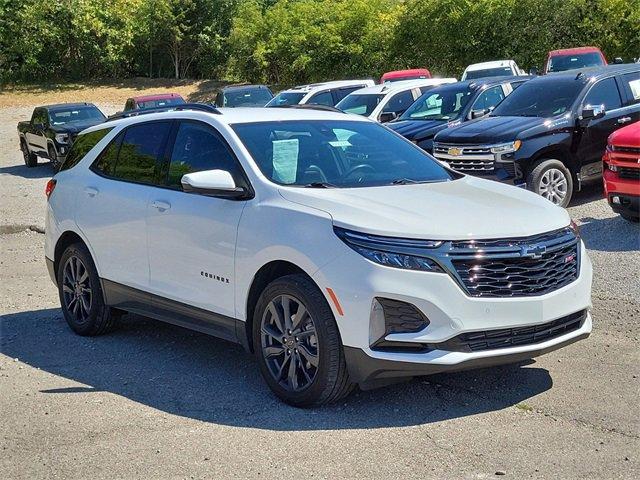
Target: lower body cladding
{"points": [[383, 307]]}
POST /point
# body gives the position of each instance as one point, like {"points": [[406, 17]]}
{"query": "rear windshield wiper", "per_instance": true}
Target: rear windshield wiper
{"points": [[320, 185]]}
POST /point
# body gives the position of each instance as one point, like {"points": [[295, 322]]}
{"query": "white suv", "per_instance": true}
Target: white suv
{"points": [[495, 68], [325, 93], [334, 249]]}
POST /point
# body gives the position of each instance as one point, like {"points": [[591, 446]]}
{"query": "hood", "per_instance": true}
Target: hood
{"points": [[490, 130], [76, 127], [418, 130], [469, 207]]}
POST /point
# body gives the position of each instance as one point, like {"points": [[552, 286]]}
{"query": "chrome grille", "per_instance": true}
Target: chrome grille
{"points": [[465, 158], [517, 267]]}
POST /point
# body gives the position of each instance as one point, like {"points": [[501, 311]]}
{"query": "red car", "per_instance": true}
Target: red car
{"points": [[622, 172], [398, 75], [570, 58], [153, 101]]}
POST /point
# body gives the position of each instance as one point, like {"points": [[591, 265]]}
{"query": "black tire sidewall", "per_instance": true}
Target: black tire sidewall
{"points": [[329, 351], [30, 160], [97, 310], [54, 157], [538, 170]]}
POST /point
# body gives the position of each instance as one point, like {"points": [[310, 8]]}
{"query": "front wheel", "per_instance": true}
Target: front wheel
{"points": [[297, 344], [551, 179]]}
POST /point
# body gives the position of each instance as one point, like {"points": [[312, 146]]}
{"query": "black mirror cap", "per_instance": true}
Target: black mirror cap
{"points": [[591, 112], [618, 60], [479, 113], [238, 193], [388, 117]]}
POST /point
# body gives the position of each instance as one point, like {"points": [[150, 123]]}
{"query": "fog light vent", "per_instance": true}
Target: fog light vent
{"points": [[393, 316]]}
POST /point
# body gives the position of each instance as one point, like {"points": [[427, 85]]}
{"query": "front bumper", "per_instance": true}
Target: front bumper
{"points": [[627, 192]]}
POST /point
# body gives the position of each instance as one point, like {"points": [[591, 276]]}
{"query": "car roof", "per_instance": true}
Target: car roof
{"points": [[491, 64], [402, 73], [572, 51], [156, 96], [232, 116], [478, 83], [394, 87], [596, 72], [60, 106], [327, 85], [229, 88]]}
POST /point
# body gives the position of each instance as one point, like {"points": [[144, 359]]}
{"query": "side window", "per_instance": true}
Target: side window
{"points": [[343, 92], [129, 105], [141, 146], [322, 98], [82, 146], [196, 148], [106, 162], [489, 98], [631, 82], [426, 88], [606, 93], [40, 117], [399, 102]]}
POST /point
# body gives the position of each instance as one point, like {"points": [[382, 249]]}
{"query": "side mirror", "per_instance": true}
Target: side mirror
{"points": [[618, 60], [387, 116], [213, 183], [533, 71], [591, 112], [479, 113]]}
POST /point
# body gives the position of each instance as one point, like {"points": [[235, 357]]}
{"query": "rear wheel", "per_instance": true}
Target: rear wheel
{"points": [[81, 294], [551, 179], [53, 156], [30, 159], [297, 343]]}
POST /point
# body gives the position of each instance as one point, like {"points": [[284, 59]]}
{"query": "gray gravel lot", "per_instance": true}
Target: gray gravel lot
{"points": [[157, 401]]}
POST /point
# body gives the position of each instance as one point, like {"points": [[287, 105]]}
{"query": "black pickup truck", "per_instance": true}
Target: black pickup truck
{"points": [[549, 135], [53, 128]]}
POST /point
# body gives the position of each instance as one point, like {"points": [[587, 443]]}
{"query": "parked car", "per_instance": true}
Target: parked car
{"points": [[450, 105], [243, 96], [411, 74], [326, 93], [336, 251], [572, 58], [550, 133], [622, 172], [388, 101], [496, 68], [153, 101], [53, 129]]}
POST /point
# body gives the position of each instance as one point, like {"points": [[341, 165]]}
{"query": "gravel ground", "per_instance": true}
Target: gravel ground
{"points": [[157, 401]]}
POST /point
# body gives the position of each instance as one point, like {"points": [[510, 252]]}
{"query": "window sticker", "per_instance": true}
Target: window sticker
{"points": [[285, 160], [634, 85]]}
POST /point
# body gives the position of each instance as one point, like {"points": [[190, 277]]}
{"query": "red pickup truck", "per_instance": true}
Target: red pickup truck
{"points": [[622, 172]]}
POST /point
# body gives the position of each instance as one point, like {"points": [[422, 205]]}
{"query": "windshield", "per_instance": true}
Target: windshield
{"points": [[286, 98], [560, 63], [256, 97], [164, 102], [488, 72], [360, 104], [439, 104], [75, 115], [546, 97], [327, 153]]}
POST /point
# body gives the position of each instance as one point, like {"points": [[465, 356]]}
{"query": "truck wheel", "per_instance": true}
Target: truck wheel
{"points": [[81, 294], [297, 344], [551, 179], [30, 159], [53, 156], [630, 217]]}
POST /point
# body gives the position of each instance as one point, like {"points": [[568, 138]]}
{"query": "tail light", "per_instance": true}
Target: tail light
{"points": [[51, 185]]}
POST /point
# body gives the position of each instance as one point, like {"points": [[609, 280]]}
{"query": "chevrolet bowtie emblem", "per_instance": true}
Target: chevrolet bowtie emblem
{"points": [[454, 151], [533, 251]]}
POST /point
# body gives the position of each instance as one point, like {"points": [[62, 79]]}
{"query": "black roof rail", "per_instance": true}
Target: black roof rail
{"points": [[311, 106], [201, 107]]}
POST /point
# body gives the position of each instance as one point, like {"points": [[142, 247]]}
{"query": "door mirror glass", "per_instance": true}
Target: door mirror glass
{"points": [[214, 183], [388, 116], [590, 112]]}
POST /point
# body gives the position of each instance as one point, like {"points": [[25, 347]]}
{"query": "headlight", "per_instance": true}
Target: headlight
{"points": [[402, 253], [62, 137], [506, 147]]}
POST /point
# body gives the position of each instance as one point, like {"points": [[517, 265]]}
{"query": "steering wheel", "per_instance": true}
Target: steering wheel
{"points": [[362, 166]]}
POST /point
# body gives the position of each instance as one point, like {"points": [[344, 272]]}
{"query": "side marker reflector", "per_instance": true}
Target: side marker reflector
{"points": [[335, 301]]}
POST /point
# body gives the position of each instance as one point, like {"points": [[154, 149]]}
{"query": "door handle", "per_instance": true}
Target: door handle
{"points": [[624, 120], [91, 191], [160, 206]]}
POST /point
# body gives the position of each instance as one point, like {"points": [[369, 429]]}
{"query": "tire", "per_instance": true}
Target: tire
{"points": [[88, 317], [631, 218], [324, 383], [53, 156], [30, 159], [551, 179]]}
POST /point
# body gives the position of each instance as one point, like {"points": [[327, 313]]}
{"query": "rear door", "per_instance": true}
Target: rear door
{"points": [[112, 202], [192, 237]]}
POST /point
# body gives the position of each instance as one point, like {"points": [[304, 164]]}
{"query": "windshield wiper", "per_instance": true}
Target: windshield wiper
{"points": [[403, 181], [320, 185]]}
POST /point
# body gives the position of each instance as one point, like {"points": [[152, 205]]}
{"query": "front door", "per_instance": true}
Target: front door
{"points": [[192, 237], [35, 137]]}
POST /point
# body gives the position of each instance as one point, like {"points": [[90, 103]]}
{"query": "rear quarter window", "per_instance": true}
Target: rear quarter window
{"points": [[82, 146], [632, 83]]}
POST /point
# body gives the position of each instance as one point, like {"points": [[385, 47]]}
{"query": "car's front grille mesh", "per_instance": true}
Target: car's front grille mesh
{"points": [[630, 173], [517, 268], [465, 158]]}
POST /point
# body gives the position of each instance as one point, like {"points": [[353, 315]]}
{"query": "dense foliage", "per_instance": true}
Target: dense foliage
{"points": [[291, 41]]}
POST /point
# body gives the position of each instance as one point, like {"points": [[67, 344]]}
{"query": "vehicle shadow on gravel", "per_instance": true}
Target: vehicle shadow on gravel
{"points": [[180, 372], [611, 234], [43, 170]]}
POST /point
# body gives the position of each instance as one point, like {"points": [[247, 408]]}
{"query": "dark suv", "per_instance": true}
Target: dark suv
{"points": [[550, 134], [243, 96], [450, 105]]}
